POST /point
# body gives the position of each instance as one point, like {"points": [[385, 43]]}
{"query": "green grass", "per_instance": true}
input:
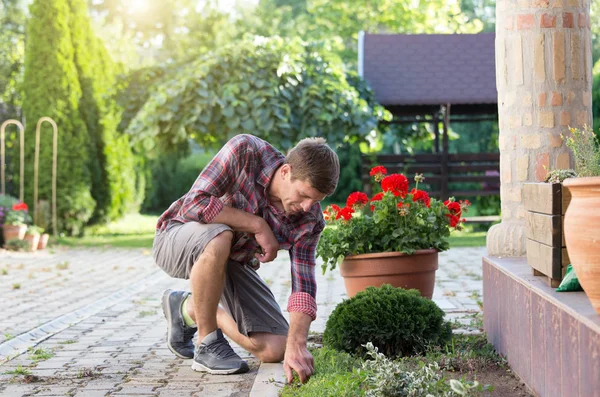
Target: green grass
{"points": [[40, 354], [20, 370], [133, 231], [467, 239]]}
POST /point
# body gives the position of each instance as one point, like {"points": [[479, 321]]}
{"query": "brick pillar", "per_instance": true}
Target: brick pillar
{"points": [[544, 81]]}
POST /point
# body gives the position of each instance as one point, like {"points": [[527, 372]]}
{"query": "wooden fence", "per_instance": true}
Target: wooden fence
{"points": [[446, 175]]}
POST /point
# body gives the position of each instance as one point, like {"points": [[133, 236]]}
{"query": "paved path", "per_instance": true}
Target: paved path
{"points": [[97, 312]]}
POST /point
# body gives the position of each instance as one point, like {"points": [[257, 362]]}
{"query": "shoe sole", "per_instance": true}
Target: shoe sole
{"points": [[196, 366], [167, 312]]}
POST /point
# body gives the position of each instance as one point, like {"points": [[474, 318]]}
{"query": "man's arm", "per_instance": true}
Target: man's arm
{"points": [[249, 223], [297, 357]]}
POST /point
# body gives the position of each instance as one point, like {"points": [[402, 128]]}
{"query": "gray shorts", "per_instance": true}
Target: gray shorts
{"points": [[245, 297]]}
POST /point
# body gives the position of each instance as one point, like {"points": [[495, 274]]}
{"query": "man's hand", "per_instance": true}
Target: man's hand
{"points": [[298, 358], [267, 241]]}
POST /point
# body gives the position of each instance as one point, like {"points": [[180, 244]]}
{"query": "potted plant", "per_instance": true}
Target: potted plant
{"points": [[582, 219], [44, 237], [393, 238], [15, 222], [32, 236]]}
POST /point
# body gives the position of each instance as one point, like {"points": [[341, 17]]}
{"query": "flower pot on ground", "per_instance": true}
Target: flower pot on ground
{"points": [[395, 223], [43, 243], [14, 232], [32, 236], [582, 219], [15, 222]]}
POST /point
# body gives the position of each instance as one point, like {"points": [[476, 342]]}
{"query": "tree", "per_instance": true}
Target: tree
{"points": [[12, 52], [278, 89], [341, 20], [51, 88], [111, 159]]}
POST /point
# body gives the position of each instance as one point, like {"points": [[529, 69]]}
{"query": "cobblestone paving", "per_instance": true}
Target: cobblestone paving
{"points": [[119, 350]]}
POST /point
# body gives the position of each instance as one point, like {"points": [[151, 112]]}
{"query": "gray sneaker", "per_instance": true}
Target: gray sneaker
{"points": [[179, 336], [215, 356]]}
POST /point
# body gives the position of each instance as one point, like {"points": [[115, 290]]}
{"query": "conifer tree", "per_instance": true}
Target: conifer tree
{"points": [[51, 88]]}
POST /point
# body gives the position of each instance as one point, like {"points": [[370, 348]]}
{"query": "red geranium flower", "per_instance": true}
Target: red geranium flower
{"points": [[395, 183], [422, 196], [454, 220], [20, 207], [331, 211], [377, 197], [345, 213], [357, 199], [378, 172]]}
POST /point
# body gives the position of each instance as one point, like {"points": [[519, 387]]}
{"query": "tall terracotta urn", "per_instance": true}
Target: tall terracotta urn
{"points": [[400, 270], [582, 234]]}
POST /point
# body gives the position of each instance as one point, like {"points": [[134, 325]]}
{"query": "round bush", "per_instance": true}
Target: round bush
{"points": [[399, 322]]}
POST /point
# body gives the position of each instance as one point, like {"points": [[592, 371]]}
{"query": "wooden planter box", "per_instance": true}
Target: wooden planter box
{"points": [[545, 207]]}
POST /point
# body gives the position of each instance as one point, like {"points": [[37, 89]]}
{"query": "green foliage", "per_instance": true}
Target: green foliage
{"points": [[558, 176], [35, 230], [51, 88], [279, 90], [335, 375], [397, 321], [16, 245], [586, 151], [392, 378], [172, 177], [350, 172], [12, 51], [111, 160], [16, 218], [340, 20]]}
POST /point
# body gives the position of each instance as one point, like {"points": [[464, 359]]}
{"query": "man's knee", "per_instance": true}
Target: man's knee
{"points": [[271, 349], [219, 247]]}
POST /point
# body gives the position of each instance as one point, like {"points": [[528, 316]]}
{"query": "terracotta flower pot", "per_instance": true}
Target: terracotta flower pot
{"points": [[582, 234], [43, 241], [11, 232], [400, 270], [33, 240]]}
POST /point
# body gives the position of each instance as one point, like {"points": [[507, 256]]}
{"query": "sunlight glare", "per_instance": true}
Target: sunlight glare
{"points": [[137, 6]]}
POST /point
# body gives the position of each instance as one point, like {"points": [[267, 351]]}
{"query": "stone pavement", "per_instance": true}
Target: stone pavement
{"points": [[88, 322]]}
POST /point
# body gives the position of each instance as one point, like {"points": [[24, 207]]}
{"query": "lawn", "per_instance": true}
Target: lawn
{"points": [[133, 231], [137, 231]]}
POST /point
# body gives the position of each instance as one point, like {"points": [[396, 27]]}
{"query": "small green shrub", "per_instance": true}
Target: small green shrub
{"points": [[16, 245], [398, 322]]}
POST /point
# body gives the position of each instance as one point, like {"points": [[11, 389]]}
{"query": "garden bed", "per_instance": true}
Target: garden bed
{"points": [[466, 357]]}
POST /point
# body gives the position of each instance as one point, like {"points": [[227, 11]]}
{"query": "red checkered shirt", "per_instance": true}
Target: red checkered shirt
{"points": [[238, 176]]}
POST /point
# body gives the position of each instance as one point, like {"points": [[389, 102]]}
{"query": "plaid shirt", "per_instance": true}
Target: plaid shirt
{"points": [[238, 176]]}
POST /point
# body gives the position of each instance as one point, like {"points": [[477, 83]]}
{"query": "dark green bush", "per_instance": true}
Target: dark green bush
{"points": [[171, 177], [399, 322]]}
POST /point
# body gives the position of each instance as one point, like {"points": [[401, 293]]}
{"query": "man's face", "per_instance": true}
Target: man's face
{"points": [[298, 196]]}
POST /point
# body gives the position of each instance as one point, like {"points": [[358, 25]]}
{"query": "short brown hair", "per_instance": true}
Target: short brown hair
{"points": [[313, 161]]}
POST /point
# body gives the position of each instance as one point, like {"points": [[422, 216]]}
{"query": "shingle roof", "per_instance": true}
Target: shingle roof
{"points": [[431, 69]]}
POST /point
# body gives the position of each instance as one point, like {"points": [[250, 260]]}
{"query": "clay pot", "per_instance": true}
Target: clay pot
{"points": [[43, 241], [582, 234], [400, 270], [11, 232], [33, 240]]}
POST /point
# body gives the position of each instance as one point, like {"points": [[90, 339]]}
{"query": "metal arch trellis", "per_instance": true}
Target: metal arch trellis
{"points": [[54, 170], [3, 157]]}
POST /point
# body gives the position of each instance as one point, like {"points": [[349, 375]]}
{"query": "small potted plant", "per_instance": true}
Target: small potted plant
{"points": [[582, 219], [44, 237], [32, 236], [393, 238], [15, 222]]}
